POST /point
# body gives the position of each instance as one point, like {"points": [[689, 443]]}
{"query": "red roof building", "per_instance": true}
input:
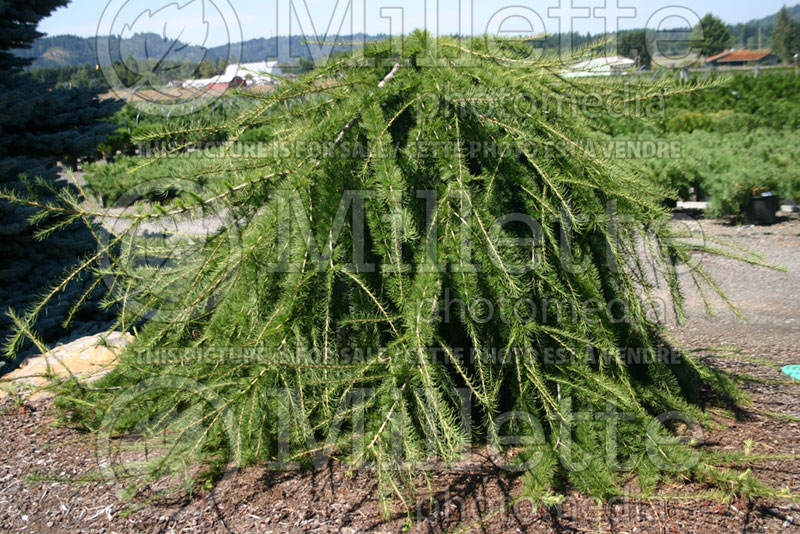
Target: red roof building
{"points": [[742, 58]]}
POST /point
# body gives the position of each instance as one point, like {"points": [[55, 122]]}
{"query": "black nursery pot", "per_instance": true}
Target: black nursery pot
{"points": [[762, 209]]}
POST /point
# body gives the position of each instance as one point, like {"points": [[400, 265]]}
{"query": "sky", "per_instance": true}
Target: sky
{"points": [[215, 22]]}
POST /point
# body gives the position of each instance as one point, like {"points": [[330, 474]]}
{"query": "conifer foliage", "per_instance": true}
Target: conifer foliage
{"points": [[424, 255], [39, 126]]}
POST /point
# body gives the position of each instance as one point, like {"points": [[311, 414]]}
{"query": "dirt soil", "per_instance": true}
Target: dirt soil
{"points": [[40, 462]]}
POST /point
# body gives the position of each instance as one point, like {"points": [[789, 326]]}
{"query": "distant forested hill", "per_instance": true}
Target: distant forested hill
{"points": [[745, 34], [71, 50], [70, 61]]}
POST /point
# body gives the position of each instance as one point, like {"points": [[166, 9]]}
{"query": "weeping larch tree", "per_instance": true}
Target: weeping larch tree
{"points": [[403, 269]]}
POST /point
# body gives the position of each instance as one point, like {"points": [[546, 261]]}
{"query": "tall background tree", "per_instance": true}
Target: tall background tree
{"points": [[711, 36], [39, 127], [786, 35], [634, 45]]}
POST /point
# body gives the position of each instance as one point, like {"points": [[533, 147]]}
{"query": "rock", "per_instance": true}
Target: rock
{"points": [[88, 358]]}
